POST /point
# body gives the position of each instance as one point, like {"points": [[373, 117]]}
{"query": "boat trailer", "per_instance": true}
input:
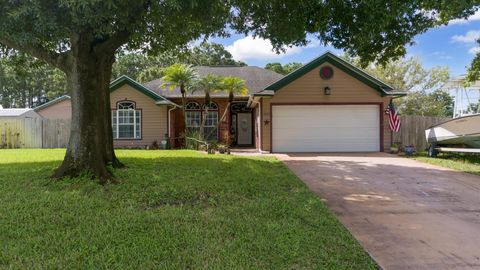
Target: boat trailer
{"points": [[433, 151]]}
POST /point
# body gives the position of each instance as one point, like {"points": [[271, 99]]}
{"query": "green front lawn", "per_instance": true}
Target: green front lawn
{"points": [[469, 163], [171, 209]]}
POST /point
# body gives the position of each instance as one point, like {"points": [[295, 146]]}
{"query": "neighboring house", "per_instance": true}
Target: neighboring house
{"points": [[18, 113], [328, 105], [59, 108]]}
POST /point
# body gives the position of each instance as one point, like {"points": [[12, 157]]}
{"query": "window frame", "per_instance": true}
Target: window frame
{"points": [[136, 110], [201, 109]]}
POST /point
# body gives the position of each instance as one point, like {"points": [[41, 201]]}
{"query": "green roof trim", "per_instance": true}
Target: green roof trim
{"points": [[114, 85], [383, 88], [51, 102], [122, 80]]}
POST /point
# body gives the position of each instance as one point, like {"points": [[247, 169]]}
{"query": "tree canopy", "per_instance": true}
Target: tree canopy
{"points": [[375, 30], [143, 67], [473, 71], [27, 82], [283, 69], [424, 86]]}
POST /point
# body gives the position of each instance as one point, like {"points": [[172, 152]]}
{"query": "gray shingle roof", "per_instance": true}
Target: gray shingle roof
{"points": [[256, 79]]}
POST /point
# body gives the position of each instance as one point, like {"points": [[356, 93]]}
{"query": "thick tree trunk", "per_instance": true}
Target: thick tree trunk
{"points": [[90, 148]]}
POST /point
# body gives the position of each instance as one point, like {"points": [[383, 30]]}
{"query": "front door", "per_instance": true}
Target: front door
{"points": [[244, 129]]}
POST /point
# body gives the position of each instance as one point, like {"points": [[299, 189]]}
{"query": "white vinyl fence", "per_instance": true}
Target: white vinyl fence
{"points": [[34, 133]]}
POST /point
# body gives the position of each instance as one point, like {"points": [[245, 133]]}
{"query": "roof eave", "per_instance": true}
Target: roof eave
{"points": [[394, 94], [51, 102], [339, 63]]}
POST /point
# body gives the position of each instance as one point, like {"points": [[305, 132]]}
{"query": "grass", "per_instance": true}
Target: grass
{"points": [[469, 163], [171, 210]]}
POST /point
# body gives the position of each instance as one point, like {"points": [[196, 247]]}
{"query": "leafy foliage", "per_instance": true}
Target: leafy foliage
{"points": [[283, 69], [424, 86], [473, 72], [234, 86], [28, 82], [375, 30], [180, 75], [436, 103], [144, 67]]}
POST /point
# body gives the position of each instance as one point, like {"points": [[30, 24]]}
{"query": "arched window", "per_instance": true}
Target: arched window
{"points": [[127, 121], [211, 121], [211, 106], [194, 114], [192, 106]]}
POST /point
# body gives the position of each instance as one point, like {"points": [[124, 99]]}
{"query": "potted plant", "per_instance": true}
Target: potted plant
{"points": [[409, 150]]}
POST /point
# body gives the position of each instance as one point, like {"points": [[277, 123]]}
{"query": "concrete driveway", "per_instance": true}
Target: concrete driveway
{"points": [[407, 214]]}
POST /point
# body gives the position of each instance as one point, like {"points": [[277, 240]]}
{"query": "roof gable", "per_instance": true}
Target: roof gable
{"points": [[51, 102], [383, 88], [114, 85], [122, 80]]}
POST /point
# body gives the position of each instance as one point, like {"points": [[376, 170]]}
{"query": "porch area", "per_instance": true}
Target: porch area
{"points": [[234, 124]]}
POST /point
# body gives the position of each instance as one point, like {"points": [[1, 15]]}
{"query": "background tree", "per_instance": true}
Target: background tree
{"points": [[436, 103], [28, 82], [424, 86], [149, 67], [211, 54], [473, 71], [81, 38], [283, 69]]}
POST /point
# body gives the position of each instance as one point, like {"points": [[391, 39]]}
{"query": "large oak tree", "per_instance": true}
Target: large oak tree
{"points": [[81, 38]]}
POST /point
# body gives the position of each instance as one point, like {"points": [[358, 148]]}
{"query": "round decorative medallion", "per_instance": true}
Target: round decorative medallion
{"points": [[326, 72]]}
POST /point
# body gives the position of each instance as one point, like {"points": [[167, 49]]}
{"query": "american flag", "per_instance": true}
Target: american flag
{"points": [[393, 118]]}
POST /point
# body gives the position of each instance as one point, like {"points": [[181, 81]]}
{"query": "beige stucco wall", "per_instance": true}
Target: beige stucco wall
{"points": [[60, 110], [154, 117], [309, 89]]}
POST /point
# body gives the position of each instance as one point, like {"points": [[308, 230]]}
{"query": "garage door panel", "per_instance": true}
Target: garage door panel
{"points": [[325, 128]]}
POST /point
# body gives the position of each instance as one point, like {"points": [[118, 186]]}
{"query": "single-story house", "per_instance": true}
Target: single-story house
{"points": [[327, 105], [59, 108], [18, 113]]}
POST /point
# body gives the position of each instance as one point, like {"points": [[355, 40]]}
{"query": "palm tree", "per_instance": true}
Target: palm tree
{"points": [[208, 84], [182, 76], [233, 86]]}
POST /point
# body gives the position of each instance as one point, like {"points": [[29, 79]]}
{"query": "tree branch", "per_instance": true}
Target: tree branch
{"points": [[56, 59], [111, 44]]}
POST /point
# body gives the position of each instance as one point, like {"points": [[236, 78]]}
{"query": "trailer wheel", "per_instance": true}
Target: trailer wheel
{"points": [[432, 152]]}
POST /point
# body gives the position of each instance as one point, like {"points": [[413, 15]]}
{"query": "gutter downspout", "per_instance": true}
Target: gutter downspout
{"points": [[169, 121]]}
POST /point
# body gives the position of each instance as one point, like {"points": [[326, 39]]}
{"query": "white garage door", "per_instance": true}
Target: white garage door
{"points": [[325, 128]]}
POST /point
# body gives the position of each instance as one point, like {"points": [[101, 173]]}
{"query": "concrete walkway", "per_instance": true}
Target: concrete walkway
{"points": [[407, 214]]}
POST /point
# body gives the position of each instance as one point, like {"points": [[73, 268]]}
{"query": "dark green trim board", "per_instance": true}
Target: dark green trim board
{"points": [[122, 80], [51, 102], [383, 88], [114, 85]]}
